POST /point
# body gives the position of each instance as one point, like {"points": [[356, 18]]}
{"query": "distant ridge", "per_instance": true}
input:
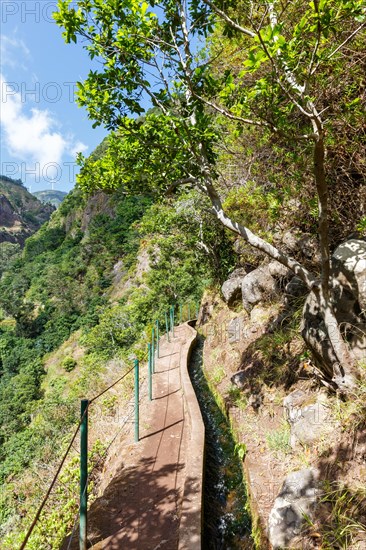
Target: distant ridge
{"points": [[21, 213], [50, 196]]}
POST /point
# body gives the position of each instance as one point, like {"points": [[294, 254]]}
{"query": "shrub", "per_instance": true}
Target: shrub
{"points": [[69, 363]]}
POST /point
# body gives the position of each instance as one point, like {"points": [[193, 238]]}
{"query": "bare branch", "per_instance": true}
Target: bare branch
{"points": [[228, 20], [348, 39]]}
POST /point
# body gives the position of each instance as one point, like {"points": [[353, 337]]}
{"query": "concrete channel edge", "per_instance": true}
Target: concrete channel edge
{"points": [[190, 530]]}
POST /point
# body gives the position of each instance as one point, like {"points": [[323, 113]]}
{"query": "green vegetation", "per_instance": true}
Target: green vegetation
{"points": [[342, 514], [57, 298], [258, 130], [269, 82], [279, 440]]}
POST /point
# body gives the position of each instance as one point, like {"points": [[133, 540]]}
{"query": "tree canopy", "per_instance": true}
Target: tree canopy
{"points": [[271, 72]]}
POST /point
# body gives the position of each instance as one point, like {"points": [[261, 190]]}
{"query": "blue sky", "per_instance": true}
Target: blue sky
{"points": [[42, 128]]}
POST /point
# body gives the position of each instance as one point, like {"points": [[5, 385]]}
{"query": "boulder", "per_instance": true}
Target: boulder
{"points": [[231, 289], [256, 286], [348, 272], [295, 288], [262, 283], [309, 418], [240, 379], [296, 500]]}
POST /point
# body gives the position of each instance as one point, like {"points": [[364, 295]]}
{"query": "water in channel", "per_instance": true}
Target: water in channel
{"points": [[226, 521]]}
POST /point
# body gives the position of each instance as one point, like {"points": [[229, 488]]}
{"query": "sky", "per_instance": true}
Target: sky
{"points": [[42, 128]]}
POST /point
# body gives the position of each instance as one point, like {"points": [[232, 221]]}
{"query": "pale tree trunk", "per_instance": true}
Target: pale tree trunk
{"points": [[324, 294], [344, 372]]}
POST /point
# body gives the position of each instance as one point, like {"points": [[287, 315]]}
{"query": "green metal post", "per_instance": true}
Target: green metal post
{"points": [[153, 350], [83, 473], [137, 399], [167, 326], [149, 373], [172, 319], [157, 338], [180, 314]]}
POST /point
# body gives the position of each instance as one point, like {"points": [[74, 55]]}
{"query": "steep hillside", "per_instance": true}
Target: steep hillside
{"points": [[21, 214], [50, 196], [78, 304]]}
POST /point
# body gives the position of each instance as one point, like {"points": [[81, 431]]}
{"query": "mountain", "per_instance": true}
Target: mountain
{"points": [[50, 196], [21, 214]]}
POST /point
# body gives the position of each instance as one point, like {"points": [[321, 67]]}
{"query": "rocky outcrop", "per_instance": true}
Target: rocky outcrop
{"points": [[309, 418], [21, 214], [231, 289], [295, 502], [7, 215], [349, 302], [260, 284]]}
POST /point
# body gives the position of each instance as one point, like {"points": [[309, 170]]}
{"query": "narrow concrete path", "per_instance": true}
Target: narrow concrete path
{"points": [[142, 505]]}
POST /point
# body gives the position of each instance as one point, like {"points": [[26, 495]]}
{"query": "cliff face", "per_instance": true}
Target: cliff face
{"points": [[21, 214]]}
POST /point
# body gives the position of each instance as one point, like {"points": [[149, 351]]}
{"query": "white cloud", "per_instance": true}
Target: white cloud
{"points": [[33, 135], [79, 147], [12, 52]]}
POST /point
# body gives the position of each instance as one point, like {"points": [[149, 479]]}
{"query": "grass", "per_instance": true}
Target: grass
{"points": [[218, 374], [237, 398], [279, 440], [344, 525]]}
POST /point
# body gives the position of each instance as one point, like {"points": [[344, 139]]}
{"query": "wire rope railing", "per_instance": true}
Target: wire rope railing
{"points": [[179, 313]]}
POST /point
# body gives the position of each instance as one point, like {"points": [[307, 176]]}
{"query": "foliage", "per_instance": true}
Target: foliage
{"points": [[342, 517], [8, 254], [279, 440], [69, 363], [58, 519]]}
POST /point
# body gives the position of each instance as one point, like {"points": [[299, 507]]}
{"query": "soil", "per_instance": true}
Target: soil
{"points": [[340, 456]]}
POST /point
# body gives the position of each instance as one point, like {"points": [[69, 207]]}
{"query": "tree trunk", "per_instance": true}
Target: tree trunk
{"points": [[344, 370]]}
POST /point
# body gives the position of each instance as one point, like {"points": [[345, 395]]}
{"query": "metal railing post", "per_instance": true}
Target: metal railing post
{"points": [[83, 473], [153, 350], [167, 326], [180, 314], [157, 338], [172, 319], [137, 399], [149, 373]]}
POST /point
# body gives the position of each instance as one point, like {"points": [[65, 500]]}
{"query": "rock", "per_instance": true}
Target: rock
{"points": [[308, 419], [289, 241], [278, 270], [262, 283], [239, 379], [256, 286], [296, 500], [295, 288], [235, 330], [231, 289], [205, 313], [238, 273], [349, 300], [309, 247], [349, 269], [8, 217]]}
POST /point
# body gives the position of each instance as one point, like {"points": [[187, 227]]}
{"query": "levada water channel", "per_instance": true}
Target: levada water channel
{"points": [[227, 523]]}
